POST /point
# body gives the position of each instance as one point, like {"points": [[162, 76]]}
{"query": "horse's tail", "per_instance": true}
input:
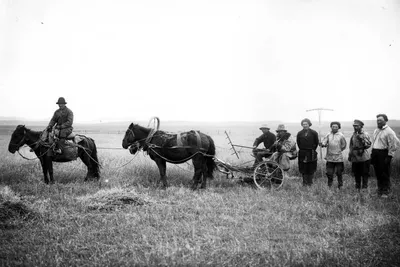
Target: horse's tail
{"points": [[211, 166], [94, 161]]}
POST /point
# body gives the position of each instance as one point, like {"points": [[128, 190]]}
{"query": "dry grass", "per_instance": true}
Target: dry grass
{"points": [[14, 211], [112, 199], [125, 220]]}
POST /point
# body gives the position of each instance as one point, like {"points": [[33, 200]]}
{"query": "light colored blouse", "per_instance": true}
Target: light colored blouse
{"points": [[335, 144]]}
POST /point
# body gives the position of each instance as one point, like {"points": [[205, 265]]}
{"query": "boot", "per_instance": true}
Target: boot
{"points": [[358, 182], [340, 182], [310, 179], [330, 180], [365, 182], [307, 179], [304, 179]]}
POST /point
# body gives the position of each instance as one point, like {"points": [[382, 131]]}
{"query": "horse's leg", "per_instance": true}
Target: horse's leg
{"points": [[162, 168], [50, 169], [198, 171], [44, 168], [204, 173], [86, 160]]}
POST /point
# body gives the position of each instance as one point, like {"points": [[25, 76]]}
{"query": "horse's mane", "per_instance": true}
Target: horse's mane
{"points": [[33, 131], [139, 127], [28, 129]]}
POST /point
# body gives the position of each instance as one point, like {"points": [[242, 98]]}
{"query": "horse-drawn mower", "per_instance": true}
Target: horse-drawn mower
{"points": [[266, 174]]}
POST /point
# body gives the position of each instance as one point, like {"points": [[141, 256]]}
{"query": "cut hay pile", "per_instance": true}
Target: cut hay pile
{"points": [[112, 199], [13, 210]]}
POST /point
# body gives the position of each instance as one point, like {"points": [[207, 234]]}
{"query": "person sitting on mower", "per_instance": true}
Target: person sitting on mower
{"points": [[268, 139], [284, 149]]}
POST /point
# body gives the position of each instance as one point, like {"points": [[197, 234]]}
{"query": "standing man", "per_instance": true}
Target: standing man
{"points": [[62, 120], [268, 139], [359, 155], [335, 144], [384, 145], [307, 141]]}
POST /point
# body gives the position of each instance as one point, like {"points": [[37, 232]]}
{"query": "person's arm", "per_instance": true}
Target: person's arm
{"points": [[393, 143], [70, 120], [366, 140], [343, 143], [286, 146], [324, 142], [53, 121], [257, 141], [272, 140], [316, 140], [298, 139]]}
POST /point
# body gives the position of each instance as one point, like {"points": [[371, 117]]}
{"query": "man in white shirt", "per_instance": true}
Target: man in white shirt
{"points": [[384, 145], [335, 144]]}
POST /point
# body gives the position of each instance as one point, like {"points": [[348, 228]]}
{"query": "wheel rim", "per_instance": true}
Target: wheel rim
{"points": [[269, 175]]}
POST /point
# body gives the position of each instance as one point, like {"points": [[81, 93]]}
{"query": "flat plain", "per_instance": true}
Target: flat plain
{"points": [[124, 219]]}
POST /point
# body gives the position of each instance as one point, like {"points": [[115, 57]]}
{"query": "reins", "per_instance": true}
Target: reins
{"points": [[33, 146], [152, 147], [36, 156], [177, 161]]}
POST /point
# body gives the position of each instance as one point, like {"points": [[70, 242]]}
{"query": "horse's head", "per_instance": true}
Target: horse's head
{"points": [[17, 139], [129, 137]]}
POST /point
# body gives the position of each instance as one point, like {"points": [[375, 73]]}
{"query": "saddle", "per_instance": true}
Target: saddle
{"points": [[186, 139], [50, 138], [70, 149]]}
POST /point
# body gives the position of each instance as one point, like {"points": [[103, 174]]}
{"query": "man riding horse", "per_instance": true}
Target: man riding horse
{"points": [[62, 120]]}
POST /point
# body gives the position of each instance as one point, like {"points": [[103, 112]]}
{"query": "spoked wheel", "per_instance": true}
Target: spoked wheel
{"points": [[269, 174]]}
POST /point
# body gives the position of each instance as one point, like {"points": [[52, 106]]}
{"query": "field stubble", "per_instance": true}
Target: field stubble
{"points": [[125, 220]]}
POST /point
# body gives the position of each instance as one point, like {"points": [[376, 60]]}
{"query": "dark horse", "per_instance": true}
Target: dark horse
{"points": [[174, 148], [87, 151]]}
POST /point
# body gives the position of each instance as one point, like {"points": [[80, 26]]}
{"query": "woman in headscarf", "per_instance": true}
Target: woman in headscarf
{"points": [[307, 141]]}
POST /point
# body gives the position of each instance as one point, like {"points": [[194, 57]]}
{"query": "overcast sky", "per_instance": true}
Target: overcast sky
{"points": [[218, 60]]}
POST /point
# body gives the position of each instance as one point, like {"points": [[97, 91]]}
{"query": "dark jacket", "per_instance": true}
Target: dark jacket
{"points": [[307, 143], [63, 119], [268, 139]]}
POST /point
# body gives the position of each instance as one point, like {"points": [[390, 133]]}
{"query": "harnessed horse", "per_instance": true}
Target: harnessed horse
{"points": [[164, 147]]}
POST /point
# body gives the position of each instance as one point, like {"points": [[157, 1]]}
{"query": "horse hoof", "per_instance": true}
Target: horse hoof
{"points": [[194, 187]]}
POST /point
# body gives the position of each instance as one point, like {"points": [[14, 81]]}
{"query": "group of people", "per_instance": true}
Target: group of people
{"points": [[363, 151], [282, 148]]}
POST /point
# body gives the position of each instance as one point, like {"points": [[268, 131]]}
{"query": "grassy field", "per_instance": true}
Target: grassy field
{"points": [[125, 220]]}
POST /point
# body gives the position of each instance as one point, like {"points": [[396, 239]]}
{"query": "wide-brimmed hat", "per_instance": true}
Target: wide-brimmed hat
{"points": [[281, 127], [264, 126], [61, 100], [358, 122]]}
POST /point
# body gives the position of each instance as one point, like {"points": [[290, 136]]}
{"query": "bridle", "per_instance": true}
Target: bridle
{"points": [[139, 143], [20, 143], [23, 142], [133, 135]]}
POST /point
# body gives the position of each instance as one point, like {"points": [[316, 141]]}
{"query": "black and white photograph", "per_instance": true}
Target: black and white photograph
{"points": [[199, 133]]}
